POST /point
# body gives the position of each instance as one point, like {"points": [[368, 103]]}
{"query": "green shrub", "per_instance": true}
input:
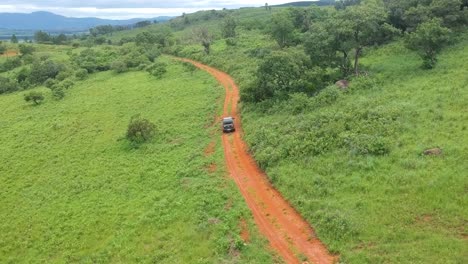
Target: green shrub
{"points": [[158, 69], [364, 144], [36, 97], [327, 96], [140, 130], [7, 85], [64, 74], [81, 74], [58, 91], [23, 75], [49, 83], [42, 71], [67, 83], [119, 66], [26, 49], [10, 64]]}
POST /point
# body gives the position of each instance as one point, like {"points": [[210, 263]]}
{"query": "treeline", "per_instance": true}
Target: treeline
{"points": [[318, 46]]}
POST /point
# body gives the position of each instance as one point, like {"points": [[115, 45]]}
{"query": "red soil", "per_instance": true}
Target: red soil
{"points": [[245, 235], [289, 234], [9, 53]]}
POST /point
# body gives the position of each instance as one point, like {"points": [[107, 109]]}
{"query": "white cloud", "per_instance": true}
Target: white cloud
{"points": [[124, 9]]}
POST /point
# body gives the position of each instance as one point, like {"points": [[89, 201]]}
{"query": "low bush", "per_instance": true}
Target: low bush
{"points": [[81, 74], [140, 130], [58, 91], [157, 69], [119, 66], [36, 97], [10, 64], [8, 85]]}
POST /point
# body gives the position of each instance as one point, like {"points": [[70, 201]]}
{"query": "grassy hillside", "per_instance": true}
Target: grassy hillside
{"points": [[73, 189], [399, 207], [351, 161]]}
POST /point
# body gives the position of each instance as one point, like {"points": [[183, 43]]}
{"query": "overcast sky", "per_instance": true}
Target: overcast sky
{"points": [[123, 9]]}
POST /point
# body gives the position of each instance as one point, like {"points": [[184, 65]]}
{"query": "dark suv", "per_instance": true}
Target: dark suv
{"points": [[228, 125]]}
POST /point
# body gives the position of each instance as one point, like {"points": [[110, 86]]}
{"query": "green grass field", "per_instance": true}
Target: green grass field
{"points": [[402, 207], [74, 190]]}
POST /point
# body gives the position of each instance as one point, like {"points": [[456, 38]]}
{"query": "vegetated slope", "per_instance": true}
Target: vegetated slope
{"points": [[288, 233], [351, 161], [73, 190]]}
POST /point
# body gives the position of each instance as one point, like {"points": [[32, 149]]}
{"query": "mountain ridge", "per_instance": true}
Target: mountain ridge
{"points": [[43, 20]]}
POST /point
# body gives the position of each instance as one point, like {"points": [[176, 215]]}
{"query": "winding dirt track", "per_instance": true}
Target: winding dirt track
{"points": [[289, 234]]}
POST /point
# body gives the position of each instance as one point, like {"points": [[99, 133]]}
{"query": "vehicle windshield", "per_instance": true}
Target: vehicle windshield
{"points": [[228, 121]]}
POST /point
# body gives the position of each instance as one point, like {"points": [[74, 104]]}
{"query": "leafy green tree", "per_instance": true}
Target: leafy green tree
{"points": [[364, 25], [343, 4], [278, 75], [41, 37], [41, 71], [142, 24], [204, 37], [428, 40], [2, 48], [14, 39], [152, 53], [60, 39], [36, 97], [329, 46], [282, 29], [449, 11], [145, 38], [228, 27]]}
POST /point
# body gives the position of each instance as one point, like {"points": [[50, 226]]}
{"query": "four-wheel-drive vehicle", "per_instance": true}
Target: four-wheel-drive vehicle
{"points": [[228, 124]]}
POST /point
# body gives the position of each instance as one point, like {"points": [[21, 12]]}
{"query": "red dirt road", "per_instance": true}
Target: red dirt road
{"points": [[288, 233]]}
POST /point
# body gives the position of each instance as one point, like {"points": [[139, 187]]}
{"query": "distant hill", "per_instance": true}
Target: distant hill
{"points": [[52, 22], [308, 3]]}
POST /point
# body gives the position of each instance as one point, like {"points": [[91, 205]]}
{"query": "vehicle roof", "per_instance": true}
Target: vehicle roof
{"points": [[228, 118]]}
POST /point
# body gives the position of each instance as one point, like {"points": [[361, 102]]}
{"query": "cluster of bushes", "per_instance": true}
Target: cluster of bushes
{"points": [[306, 132], [8, 85]]}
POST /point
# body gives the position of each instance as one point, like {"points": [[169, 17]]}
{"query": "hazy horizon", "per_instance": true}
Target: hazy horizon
{"points": [[125, 9]]}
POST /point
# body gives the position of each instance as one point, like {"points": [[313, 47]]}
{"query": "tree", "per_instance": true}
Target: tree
{"points": [[2, 49], [41, 71], [364, 25], [278, 75], [282, 29], [60, 39], [329, 45], [229, 27], [35, 97], [204, 37], [41, 37], [428, 40], [14, 39], [140, 130], [142, 24]]}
